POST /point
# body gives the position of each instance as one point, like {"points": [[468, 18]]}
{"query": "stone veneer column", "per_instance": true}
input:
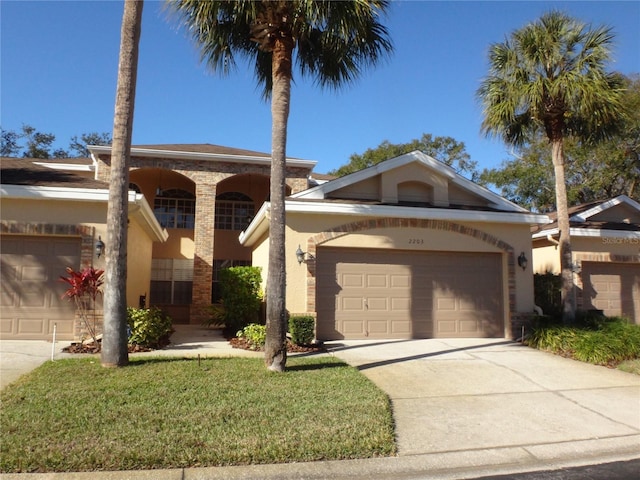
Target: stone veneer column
{"points": [[203, 258]]}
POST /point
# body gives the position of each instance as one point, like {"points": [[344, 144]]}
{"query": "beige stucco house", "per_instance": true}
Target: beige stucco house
{"points": [[605, 243], [53, 214], [405, 249]]}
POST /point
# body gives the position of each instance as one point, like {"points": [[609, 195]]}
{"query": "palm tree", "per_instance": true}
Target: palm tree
{"points": [[550, 76], [114, 339], [331, 41]]}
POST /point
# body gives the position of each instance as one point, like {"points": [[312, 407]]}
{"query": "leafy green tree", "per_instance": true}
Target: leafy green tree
{"points": [[115, 352], [445, 149], [79, 145], [38, 143], [10, 146], [331, 42], [550, 75]]}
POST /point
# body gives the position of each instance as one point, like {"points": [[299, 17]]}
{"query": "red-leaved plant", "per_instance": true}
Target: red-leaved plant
{"points": [[85, 286]]}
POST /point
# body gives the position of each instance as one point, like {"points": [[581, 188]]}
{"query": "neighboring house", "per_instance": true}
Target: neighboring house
{"points": [[404, 249], [53, 214], [605, 244]]}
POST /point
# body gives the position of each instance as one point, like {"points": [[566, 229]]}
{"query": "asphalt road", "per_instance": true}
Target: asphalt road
{"points": [[607, 471]]}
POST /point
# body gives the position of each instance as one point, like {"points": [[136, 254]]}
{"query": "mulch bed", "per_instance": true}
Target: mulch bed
{"points": [[235, 342], [242, 343], [93, 348]]}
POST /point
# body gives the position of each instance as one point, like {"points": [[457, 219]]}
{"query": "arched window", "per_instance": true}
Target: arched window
{"points": [[234, 211], [175, 209]]}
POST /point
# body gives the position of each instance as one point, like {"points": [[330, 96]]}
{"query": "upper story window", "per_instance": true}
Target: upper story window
{"points": [[234, 211], [175, 209]]}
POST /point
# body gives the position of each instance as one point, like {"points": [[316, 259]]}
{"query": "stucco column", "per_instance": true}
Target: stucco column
{"points": [[203, 258]]}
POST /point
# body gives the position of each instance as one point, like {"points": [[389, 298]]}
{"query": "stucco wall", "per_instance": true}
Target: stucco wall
{"points": [[546, 258], [303, 229], [92, 215]]}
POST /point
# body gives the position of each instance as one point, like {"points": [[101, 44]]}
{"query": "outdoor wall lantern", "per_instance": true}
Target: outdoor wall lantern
{"points": [[99, 247], [522, 261], [303, 256]]}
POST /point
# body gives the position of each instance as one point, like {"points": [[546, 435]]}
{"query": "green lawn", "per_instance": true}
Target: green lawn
{"points": [[74, 415]]}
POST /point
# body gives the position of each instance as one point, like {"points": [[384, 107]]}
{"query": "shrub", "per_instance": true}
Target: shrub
{"points": [[255, 334], [150, 327], [301, 328], [84, 288], [241, 298], [594, 339]]}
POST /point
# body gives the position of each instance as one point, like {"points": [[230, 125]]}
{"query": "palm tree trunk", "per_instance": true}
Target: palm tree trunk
{"points": [[275, 345], [566, 261], [114, 337]]}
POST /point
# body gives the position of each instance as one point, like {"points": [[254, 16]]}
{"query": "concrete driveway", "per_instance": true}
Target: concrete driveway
{"points": [[491, 401]]}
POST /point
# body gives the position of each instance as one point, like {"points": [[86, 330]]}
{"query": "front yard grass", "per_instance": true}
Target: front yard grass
{"points": [[613, 342], [74, 415]]}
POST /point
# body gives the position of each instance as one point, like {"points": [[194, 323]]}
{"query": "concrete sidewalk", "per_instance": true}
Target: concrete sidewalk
{"points": [[463, 408]]}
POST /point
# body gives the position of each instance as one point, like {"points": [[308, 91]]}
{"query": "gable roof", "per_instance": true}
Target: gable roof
{"points": [[494, 201], [202, 151], [319, 200], [593, 218]]}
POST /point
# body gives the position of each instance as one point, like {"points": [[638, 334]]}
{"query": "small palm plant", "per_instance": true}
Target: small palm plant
{"points": [[85, 286]]}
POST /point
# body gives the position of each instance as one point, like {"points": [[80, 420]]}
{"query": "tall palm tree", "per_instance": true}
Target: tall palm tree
{"points": [[550, 76], [114, 338], [331, 41]]}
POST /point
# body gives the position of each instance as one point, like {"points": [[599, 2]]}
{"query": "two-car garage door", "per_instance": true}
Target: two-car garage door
{"points": [[407, 294], [31, 290]]}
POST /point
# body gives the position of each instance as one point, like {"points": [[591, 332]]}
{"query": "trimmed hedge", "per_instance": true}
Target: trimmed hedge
{"points": [[301, 328]]}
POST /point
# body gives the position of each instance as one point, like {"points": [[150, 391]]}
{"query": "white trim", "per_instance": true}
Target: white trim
{"points": [[415, 212], [582, 217], [54, 193], [321, 191], [138, 205], [589, 232], [226, 157], [260, 224], [74, 167]]}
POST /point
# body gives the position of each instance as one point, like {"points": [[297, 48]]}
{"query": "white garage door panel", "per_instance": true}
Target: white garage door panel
{"points": [[395, 294], [31, 292], [613, 288]]}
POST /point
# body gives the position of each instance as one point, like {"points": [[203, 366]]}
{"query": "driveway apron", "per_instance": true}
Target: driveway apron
{"points": [[484, 395]]}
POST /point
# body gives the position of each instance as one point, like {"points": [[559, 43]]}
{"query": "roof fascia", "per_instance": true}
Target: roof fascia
{"points": [[413, 212], [138, 205], [54, 193], [140, 208], [67, 166], [582, 217], [258, 226], [252, 159], [589, 232]]}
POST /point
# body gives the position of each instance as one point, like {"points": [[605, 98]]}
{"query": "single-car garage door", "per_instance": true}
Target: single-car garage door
{"points": [[31, 290], [613, 288], [401, 294]]}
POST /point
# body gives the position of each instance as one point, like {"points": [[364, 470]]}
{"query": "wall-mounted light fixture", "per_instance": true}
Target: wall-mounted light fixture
{"points": [[99, 247], [522, 261], [303, 256]]}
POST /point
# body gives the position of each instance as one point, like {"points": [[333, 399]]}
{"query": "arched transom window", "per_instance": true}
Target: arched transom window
{"points": [[175, 209], [234, 211]]}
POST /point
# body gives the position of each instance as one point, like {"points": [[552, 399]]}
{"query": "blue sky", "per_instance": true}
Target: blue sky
{"points": [[59, 69]]}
